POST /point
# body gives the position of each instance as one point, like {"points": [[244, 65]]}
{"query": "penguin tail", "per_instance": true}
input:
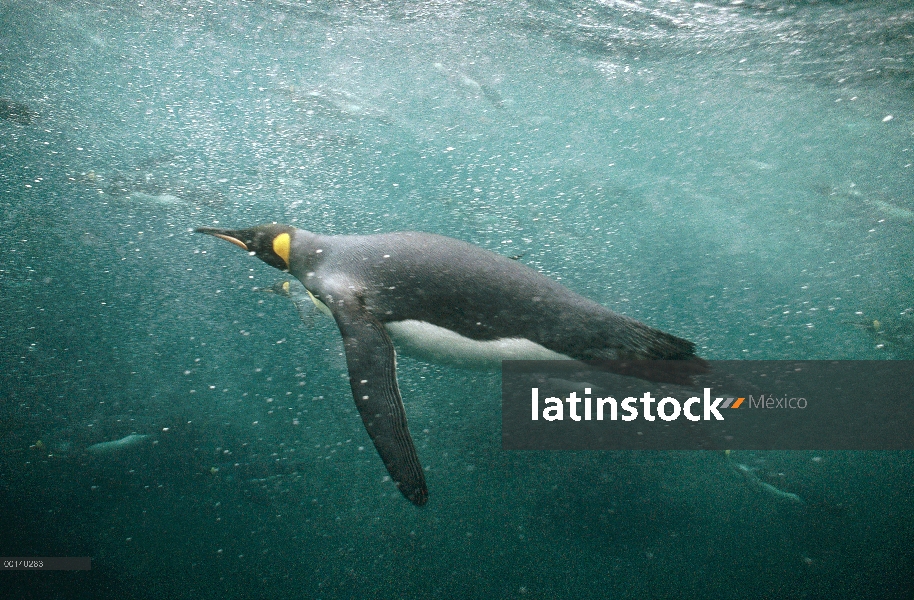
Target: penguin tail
{"points": [[654, 355], [659, 345]]}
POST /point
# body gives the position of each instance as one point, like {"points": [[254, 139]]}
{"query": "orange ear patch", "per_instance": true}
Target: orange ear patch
{"points": [[281, 244]]}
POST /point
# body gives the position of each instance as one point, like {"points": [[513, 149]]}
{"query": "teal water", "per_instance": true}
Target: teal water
{"points": [[739, 174]]}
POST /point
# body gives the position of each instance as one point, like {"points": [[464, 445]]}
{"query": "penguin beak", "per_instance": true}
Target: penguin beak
{"points": [[226, 234]]}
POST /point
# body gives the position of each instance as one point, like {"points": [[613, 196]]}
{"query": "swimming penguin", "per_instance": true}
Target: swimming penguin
{"points": [[16, 111], [442, 297], [753, 480], [116, 446]]}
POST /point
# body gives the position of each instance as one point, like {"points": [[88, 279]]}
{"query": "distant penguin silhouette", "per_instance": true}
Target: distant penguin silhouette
{"points": [[16, 111]]}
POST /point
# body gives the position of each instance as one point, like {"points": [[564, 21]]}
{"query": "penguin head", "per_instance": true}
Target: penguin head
{"points": [[270, 243]]}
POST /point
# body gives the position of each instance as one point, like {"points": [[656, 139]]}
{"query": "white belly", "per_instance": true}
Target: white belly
{"points": [[418, 338]]}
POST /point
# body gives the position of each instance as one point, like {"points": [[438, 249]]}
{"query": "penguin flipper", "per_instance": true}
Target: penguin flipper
{"points": [[372, 364]]}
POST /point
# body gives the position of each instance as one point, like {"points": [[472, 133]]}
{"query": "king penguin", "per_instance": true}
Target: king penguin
{"points": [[447, 300]]}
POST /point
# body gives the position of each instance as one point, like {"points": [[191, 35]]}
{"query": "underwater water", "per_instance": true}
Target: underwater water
{"points": [[737, 173]]}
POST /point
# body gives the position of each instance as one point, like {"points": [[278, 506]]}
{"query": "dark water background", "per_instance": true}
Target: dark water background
{"points": [[739, 174]]}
